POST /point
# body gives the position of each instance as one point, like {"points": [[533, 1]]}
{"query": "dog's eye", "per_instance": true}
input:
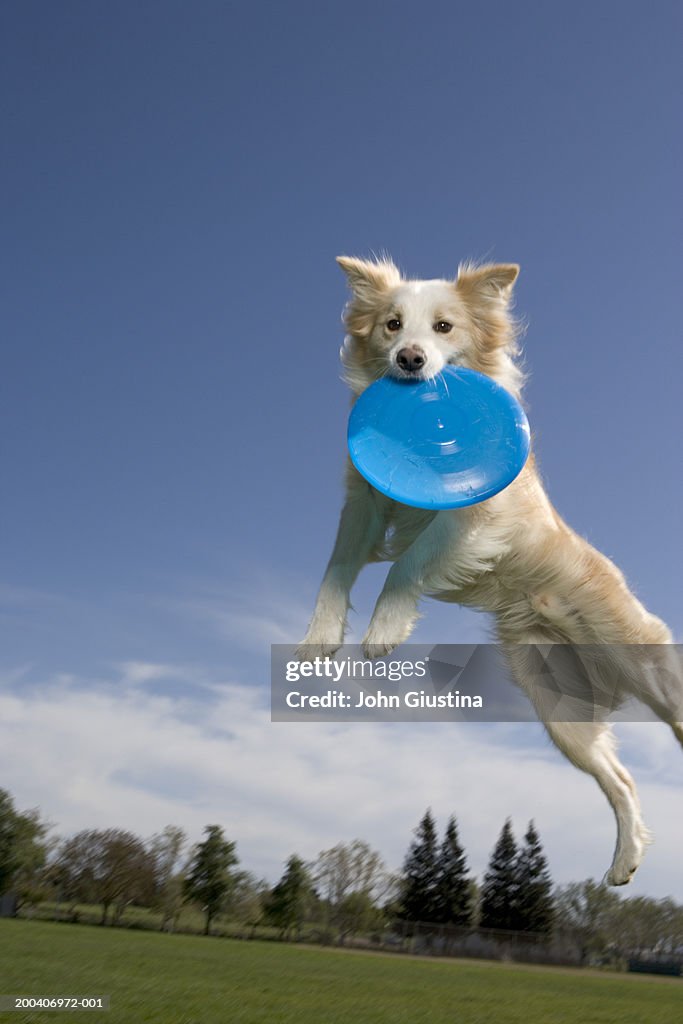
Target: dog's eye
{"points": [[443, 327], [394, 324]]}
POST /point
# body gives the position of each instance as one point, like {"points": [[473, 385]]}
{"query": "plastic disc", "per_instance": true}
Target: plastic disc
{"points": [[443, 443]]}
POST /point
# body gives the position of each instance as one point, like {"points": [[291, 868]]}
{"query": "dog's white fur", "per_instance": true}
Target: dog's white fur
{"points": [[511, 555]]}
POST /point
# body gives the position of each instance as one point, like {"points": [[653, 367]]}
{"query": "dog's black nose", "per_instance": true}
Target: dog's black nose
{"points": [[411, 358]]}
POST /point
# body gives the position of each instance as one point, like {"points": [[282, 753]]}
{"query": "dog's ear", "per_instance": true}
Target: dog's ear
{"points": [[485, 291], [491, 281], [367, 278], [369, 281]]}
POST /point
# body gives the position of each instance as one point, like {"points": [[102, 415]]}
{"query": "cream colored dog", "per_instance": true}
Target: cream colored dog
{"points": [[511, 555]]}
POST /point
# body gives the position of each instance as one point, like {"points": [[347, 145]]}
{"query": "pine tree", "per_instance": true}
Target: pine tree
{"points": [[209, 879], [453, 885], [500, 888], [419, 901], [290, 899], [534, 896]]}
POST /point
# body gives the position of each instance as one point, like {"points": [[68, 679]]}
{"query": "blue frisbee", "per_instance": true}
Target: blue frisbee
{"points": [[443, 443]]}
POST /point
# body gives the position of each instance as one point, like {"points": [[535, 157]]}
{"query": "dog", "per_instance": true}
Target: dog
{"points": [[511, 555]]}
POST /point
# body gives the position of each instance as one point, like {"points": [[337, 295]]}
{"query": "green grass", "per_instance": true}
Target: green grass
{"points": [[178, 979]]}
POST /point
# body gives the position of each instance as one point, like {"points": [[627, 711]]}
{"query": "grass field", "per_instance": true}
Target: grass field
{"points": [[176, 979]]}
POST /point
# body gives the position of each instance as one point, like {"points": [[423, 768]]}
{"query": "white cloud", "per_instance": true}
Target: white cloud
{"points": [[264, 612], [145, 672], [129, 751]]}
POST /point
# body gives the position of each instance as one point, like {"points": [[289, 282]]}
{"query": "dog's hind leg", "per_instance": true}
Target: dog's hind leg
{"points": [[654, 672], [591, 747]]}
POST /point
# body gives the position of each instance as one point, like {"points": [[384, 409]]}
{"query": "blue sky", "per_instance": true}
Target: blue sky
{"points": [[178, 179]]}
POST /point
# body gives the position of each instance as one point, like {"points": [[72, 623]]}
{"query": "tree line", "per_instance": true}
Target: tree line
{"points": [[346, 891]]}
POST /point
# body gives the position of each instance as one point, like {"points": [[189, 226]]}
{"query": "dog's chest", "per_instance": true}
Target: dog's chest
{"points": [[466, 547], [405, 524]]}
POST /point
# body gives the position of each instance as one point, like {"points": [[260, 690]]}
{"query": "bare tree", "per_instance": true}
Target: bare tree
{"points": [[166, 849], [352, 880], [246, 902]]}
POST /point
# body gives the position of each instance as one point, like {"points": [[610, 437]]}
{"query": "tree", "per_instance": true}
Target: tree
{"points": [[23, 849], [500, 888], [638, 925], [166, 849], [76, 869], [357, 912], [352, 879], [419, 899], [209, 880], [657, 925], [108, 866], [605, 926], [587, 911], [288, 903], [247, 898], [127, 872], [453, 890], [8, 834], [534, 903]]}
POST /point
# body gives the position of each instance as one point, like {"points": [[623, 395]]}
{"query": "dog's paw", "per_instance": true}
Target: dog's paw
{"points": [[378, 642], [309, 651], [620, 874], [324, 637], [320, 643], [386, 631], [377, 650], [625, 863]]}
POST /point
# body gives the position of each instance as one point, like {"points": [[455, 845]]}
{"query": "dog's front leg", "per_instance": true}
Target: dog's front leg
{"points": [[396, 610], [361, 530]]}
